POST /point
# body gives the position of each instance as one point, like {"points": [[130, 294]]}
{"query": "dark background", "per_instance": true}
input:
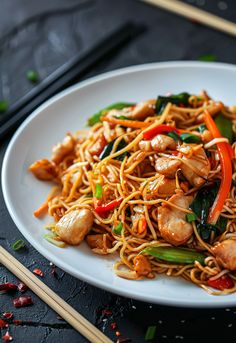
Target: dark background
{"points": [[42, 35]]}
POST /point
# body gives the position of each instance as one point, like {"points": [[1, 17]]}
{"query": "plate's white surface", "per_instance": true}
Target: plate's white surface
{"points": [[68, 111]]}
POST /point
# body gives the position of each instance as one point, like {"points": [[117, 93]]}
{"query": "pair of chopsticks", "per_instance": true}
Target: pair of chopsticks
{"points": [[65, 75], [75, 319], [197, 14]]}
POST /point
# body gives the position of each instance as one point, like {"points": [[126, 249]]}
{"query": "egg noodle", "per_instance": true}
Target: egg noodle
{"points": [[139, 174]]}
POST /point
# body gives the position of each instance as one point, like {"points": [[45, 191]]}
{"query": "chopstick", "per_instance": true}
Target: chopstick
{"points": [[70, 315], [197, 14], [64, 75]]}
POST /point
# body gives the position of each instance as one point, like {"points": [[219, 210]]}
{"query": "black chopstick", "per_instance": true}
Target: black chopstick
{"points": [[64, 75]]}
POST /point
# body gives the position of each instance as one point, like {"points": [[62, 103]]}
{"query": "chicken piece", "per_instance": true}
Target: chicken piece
{"points": [[166, 187], [60, 150], [171, 222], [225, 253], [162, 142], [98, 146], [43, 170], [159, 143], [74, 226], [99, 241], [142, 265], [143, 110], [167, 166], [200, 164]]}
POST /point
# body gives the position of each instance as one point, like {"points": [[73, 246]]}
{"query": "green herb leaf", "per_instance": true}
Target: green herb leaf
{"points": [[98, 191], [190, 138], [174, 135], [225, 126], [108, 148], [117, 230], [150, 333], [18, 245], [3, 106], [208, 58], [116, 106], [176, 99], [176, 255], [190, 217], [32, 76]]}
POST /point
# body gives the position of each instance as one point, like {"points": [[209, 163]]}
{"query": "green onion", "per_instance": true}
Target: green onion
{"points": [[98, 191], [18, 244], [97, 116], [118, 229], [225, 126], [150, 333], [108, 148], [208, 58], [202, 128], [174, 135], [176, 255], [190, 217], [3, 106], [176, 99], [51, 239], [32, 76], [190, 138]]}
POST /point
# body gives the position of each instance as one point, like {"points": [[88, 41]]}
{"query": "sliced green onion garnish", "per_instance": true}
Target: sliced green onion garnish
{"points": [[98, 191], [150, 333], [18, 244], [174, 135], [190, 217], [32, 76], [208, 58], [51, 239], [3, 106], [190, 138], [118, 229]]}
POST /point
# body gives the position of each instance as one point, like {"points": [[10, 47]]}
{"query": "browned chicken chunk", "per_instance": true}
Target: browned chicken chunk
{"points": [[74, 226], [43, 170], [166, 187], [142, 265], [159, 143], [61, 149], [98, 146], [167, 166], [171, 222], [225, 253], [197, 175]]}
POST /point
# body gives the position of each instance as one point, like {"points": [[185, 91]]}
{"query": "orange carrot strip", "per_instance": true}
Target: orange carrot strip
{"points": [[41, 210]]}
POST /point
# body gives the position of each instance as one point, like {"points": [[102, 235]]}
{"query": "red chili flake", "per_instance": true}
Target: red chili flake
{"points": [[3, 324], [8, 315], [22, 301], [7, 337], [7, 287], [123, 340], [17, 322], [38, 272], [22, 287], [118, 333], [113, 326], [107, 312]]}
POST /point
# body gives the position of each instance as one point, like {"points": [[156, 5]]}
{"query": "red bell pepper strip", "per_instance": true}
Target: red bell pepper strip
{"points": [[223, 282], [101, 209], [149, 134], [226, 169]]}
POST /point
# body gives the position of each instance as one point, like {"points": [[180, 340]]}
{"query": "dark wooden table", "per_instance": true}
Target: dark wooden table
{"points": [[42, 35]]}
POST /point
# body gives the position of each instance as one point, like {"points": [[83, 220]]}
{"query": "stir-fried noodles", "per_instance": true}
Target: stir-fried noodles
{"points": [[154, 182]]}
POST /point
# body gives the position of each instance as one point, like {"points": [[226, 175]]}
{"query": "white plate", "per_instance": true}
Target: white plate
{"points": [[68, 111]]}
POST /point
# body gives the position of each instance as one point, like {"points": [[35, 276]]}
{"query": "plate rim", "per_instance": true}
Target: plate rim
{"points": [[50, 256]]}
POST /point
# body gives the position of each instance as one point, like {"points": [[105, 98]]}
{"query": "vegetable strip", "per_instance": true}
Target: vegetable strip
{"points": [[226, 168]]}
